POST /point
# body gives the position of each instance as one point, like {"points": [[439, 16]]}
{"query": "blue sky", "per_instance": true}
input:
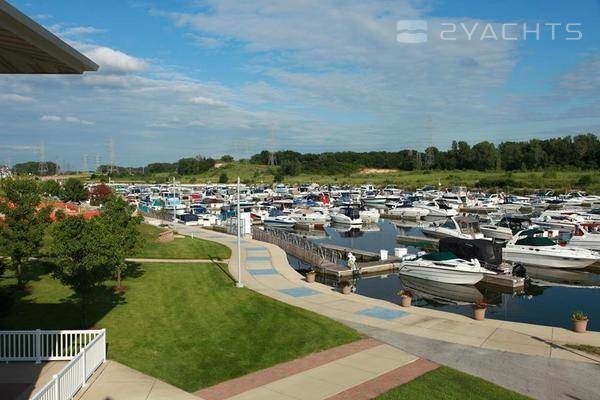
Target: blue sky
{"points": [[187, 77]]}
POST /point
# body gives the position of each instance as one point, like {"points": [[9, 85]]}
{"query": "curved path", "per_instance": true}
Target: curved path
{"points": [[524, 357]]}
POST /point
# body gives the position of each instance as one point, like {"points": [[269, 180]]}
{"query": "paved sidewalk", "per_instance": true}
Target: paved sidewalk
{"points": [[116, 381], [359, 370], [267, 271]]}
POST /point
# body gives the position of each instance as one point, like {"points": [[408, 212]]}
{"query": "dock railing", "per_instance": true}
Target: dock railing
{"points": [[84, 349], [296, 245]]}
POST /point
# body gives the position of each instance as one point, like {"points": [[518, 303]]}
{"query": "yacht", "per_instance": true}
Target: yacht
{"points": [[309, 216], [458, 227], [505, 228], [405, 210], [347, 216], [279, 221], [443, 267], [369, 216], [531, 247], [436, 208], [586, 236]]}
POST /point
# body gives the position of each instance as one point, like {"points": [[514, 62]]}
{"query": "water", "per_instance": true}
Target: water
{"points": [[549, 300]]}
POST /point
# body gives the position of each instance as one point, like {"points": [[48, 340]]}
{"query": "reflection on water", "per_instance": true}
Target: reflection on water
{"points": [[549, 299]]}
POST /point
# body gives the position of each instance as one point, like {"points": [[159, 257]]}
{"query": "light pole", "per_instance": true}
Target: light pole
{"points": [[239, 239]]}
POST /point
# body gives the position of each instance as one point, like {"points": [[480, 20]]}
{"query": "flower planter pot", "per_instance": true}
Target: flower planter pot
{"points": [[479, 314], [405, 301], [310, 277], [346, 289], [580, 326]]}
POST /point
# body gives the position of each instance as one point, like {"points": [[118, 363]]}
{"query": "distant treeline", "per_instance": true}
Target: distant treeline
{"points": [[582, 151]]}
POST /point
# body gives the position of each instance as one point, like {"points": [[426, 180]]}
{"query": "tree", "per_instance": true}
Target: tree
{"points": [[73, 190], [50, 187], [227, 158], [100, 194], [223, 178], [122, 226], [22, 232], [84, 256]]}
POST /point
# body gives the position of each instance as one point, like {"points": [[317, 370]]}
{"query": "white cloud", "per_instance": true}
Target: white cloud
{"points": [[15, 98], [115, 61], [69, 119], [205, 101], [81, 31]]}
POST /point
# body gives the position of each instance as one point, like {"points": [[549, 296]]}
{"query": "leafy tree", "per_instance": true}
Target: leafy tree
{"points": [[227, 158], [84, 256], [122, 227], [100, 194], [50, 187], [22, 232], [223, 178], [73, 190]]}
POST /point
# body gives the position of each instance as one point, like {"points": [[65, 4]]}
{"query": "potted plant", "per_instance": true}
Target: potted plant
{"points": [[346, 286], [580, 321], [310, 276], [479, 308], [405, 297]]}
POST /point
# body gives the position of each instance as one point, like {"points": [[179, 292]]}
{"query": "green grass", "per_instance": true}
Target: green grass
{"points": [[526, 181], [180, 248], [585, 347], [448, 384], [185, 324]]}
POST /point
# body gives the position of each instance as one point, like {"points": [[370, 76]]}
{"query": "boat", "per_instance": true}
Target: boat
{"points": [[347, 216], [405, 210], [531, 247], [506, 228], [436, 208], [279, 221], [586, 236], [368, 216], [443, 267], [457, 227], [309, 217]]}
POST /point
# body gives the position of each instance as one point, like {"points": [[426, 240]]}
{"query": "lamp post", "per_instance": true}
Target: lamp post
{"points": [[239, 240]]}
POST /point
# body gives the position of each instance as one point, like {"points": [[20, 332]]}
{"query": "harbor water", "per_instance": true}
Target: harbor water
{"points": [[549, 297]]}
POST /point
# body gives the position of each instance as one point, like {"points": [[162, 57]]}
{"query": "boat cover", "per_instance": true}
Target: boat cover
{"points": [[483, 250]]}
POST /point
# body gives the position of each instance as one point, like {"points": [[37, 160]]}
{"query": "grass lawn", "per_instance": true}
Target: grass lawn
{"points": [[585, 347], [180, 248], [185, 324], [449, 384]]}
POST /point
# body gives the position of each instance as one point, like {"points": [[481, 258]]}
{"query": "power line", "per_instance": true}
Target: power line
{"points": [[43, 167]]}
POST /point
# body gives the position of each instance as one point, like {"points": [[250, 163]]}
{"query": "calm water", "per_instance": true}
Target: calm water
{"points": [[548, 300]]}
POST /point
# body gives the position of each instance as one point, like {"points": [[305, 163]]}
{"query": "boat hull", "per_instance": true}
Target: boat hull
{"points": [[417, 270], [545, 260]]}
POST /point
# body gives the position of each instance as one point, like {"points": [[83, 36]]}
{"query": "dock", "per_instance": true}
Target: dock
{"points": [[418, 241]]}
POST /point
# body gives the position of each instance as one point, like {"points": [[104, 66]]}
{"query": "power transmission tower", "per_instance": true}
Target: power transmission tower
{"points": [[85, 164], [98, 163], [43, 168], [111, 154], [429, 156]]}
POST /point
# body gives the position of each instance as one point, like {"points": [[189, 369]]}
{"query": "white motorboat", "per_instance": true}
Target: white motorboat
{"points": [[309, 217], [405, 210], [586, 236], [376, 200], [369, 216], [436, 208], [554, 220], [444, 267], [347, 216], [458, 227], [442, 293], [530, 247], [505, 229], [279, 221]]}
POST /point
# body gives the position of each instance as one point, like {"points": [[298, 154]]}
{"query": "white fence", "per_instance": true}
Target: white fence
{"points": [[86, 350]]}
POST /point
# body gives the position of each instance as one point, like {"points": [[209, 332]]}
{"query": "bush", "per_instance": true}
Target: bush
{"points": [[496, 182], [223, 178], [585, 180]]}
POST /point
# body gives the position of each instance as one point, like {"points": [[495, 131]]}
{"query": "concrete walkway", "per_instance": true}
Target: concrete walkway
{"points": [[267, 271], [116, 381], [359, 370]]}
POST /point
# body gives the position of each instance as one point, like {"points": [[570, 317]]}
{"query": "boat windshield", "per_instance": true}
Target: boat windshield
{"points": [[535, 241], [439, 256]]}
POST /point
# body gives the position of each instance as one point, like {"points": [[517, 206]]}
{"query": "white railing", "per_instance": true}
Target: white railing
{"points": [[86, 350]]}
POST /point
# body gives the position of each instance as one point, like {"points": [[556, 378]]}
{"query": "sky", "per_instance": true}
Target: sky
{"points": [[182, 78]]}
